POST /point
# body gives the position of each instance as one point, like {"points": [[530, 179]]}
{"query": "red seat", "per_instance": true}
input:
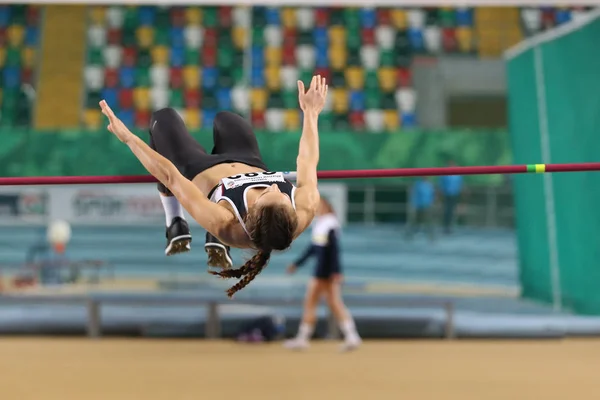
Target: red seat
{"points": [[176, 78], [209, 56], [322, 17], [258, 119], [404, 77], [384, 16], [142, 119], [177, 17], [368, 36], [111, 77], [129, 57], [27, 75], [357, 120], [289, 55], [548, 19], [225, 16], [449, 41], [114, 36], [2, 37], [126, 99], [192, 98], [290, 37], [325, 72], [210, 37], [33, 15]]}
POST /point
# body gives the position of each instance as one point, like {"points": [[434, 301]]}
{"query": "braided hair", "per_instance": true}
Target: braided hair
{"points": [[271, 227]]}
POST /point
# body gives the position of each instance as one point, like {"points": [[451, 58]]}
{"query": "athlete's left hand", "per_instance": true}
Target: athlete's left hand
{"points": [[313, 100], [115, 125]]}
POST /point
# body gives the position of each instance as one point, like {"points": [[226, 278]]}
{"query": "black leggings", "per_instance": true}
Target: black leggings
{"points": [[234, 141]]}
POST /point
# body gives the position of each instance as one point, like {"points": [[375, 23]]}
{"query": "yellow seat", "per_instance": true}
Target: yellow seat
{"points": [[2, 56], [355, 78], [387, 79], [288, 17], [292, 119], [98, 15], [145, 36], [337, 36], [191, 77], [464, 37], [92, 118], [160, 55], [337, 57], [28, 56], [193, 15], [399, 18], [16, 35], [340, 100], [273, 77], [239, 37], [391, 120], [141, 98], [258, 99], [273, 56], [193, 119]]}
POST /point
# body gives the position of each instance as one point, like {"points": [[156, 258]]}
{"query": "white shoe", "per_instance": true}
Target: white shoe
{"points": [[296, 344], [351, 344]]}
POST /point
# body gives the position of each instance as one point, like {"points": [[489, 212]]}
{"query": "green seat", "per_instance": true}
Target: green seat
{"points": [[305, 75], [209, 100], [225, 57], [353, 40], [210, 19], [341, 122], [353, 59], [225, 80], [351, 19], [432, 16], [192, 57], [388, 101], [238, 72], [129, 38], [161, 36], [371, 80], [225, 38], [338, 79], [130, 19], [142, 77], [94, 56], [18, 14], [93, 98], [447, 18], [275, 100], [290, 99], [9, 100], [326, 121], [372, 99], [403, 60], [386, 58], [176, 98], [336, 17], [239, 58], [258, 37], [144, 59], [163, 20], [305, 37], [259, 19]]}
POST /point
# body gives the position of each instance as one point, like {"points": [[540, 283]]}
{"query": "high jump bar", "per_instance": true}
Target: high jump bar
{"points": [[333, 174]]}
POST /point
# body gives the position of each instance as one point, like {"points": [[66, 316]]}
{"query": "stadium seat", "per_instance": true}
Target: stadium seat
{"points": [[306, 56], [370, 57], [191, 77], [241, 16], [97, 36], [433, 39], [191, 98], [258, 99], [125, 99], [239, 99], [28, 56], [464, 38], [193, 118], [355, 78], [532, 20], [92, 119], [112, 56], [387, 78], [275, 119], [391, 120], [288, 17], [141, 98], [97, 15], [357, 121], [385, 37], [112, 78], [142, 119], [406, 99], [292, 119], [193, 15], [374, 120], [115, 17], [289, 77], [193, 36], [416, 18], [159, 75], [273, 36], [305, 18], [94, 77], [159, 97], [340, 100], [273, 56]]}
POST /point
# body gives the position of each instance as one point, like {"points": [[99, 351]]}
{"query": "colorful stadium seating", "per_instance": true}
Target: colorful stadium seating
{"points": [[247, 59], [19, 36]]}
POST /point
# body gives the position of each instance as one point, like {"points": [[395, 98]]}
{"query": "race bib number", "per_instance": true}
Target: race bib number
{"points": [[234, 181]]}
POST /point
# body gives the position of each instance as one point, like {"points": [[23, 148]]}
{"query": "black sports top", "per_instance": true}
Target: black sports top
{"points": [[233, 189]]}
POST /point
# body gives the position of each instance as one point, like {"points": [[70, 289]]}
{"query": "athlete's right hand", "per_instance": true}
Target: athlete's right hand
{"points": [[313, 99], [115, 125]]}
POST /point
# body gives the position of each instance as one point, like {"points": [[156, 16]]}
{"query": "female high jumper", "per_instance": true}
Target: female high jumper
{"points": [[230, 192], [326, 281]]}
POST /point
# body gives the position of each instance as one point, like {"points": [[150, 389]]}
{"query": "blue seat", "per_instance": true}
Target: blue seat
{"points": [[177, 56], [224, 99], [32, 36], [209, 77], [272, 16], [258, 57], [368, 17], [111, 95], [127, 77], [147, 15], [562, 16], [127, 116], [257, 77], [208, 118], [321, 57], [177, 37], [415, 37], [464, 17], [357, 100], [4, 15], [320, 37], [409, 120], [11, 77]]}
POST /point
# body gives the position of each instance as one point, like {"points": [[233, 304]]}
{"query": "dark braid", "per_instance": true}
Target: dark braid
{"points": [[249, 271], [232, 273]]}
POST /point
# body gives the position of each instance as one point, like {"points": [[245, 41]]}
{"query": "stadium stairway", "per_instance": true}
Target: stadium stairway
{"points": [[60, 77]]}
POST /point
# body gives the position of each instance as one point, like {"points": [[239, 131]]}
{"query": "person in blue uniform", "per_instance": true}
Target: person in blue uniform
{"points": [[326, 281]]}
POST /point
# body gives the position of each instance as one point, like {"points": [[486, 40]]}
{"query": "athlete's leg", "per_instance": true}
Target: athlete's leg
{"points": [[314, 291], [333, 295], [170, 138]]}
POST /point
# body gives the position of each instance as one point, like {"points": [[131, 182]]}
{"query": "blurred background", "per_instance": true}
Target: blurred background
{"points": [[410, 86]]}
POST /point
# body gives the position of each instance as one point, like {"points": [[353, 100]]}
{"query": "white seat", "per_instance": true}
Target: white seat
{"points": [[385, 36], [416, 18], [433, 39], [374, 120], [275, 119], [532, 19], [305, 18], [94, 77], [115, 16], [97, 36], [159, 97], [240, 98], [273, 36], [369, 56], [159, 75], [289, 77], [328, 106], [241, 16], [577, 15], [112, 56], [305, 56], [406, 99], [194, 36]]}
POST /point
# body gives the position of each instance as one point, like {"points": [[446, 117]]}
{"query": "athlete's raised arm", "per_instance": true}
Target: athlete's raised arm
{"points": [[210, 216], [307, 195]]}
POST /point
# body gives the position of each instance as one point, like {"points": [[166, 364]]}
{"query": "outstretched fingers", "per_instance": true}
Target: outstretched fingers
{"points": [[301, 87]]}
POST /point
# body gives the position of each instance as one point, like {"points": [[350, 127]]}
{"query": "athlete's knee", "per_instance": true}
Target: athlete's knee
{"points": [[163, 115]]}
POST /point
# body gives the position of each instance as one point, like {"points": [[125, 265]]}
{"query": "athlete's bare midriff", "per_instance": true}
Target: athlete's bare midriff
{"points": [[208, 179]]}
